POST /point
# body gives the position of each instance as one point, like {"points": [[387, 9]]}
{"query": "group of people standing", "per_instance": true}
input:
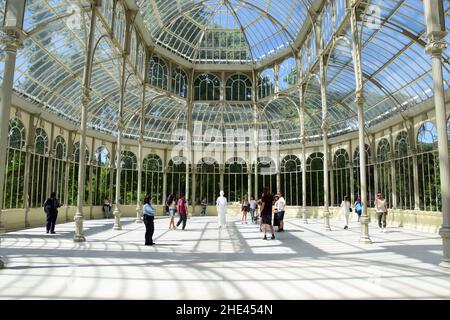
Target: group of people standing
{"points": [[380, 204]]}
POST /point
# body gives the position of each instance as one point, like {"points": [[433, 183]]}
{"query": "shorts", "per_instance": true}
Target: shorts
{"points": [[266, 219], [280, 215], [172, 212]]}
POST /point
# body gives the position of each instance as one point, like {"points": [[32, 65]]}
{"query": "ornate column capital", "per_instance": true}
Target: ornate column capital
{"points": [[120, 124], [11, 40], [435, 46], [325, 125], [359, 98], [29, 148], [85, 97]]}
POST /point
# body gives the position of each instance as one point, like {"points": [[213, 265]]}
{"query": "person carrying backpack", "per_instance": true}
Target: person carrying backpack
{"points": [[358, 207], [51, 206]]}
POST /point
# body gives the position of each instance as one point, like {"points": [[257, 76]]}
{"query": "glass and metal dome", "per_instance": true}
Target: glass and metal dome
{"points": [[219, 60], [223, 31]]}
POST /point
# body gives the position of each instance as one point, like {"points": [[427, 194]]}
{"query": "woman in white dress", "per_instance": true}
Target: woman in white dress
{"points": [[345, 207], [221, 204]]}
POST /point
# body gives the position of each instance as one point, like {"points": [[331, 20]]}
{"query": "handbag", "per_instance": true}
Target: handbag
{"points": [[350, 209]]}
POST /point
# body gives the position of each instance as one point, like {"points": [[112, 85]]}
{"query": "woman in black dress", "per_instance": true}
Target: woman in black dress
{"points": [[266, 212]]}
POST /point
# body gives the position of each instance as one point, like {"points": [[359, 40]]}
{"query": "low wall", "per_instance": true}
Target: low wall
{"points": [[14, 219]]}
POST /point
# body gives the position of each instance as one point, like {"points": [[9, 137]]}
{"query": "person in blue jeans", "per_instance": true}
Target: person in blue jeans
{"points": [[149, 216]]}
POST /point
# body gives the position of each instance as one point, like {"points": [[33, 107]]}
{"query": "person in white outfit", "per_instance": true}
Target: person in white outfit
{"points": [[221, 205], [345, 208]]}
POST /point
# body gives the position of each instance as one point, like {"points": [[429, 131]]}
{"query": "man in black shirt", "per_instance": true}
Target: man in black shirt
{"points": [[266, 212], [51, 206]]}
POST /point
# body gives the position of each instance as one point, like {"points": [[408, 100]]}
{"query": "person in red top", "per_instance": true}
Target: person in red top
{"points": [[182, 211]]}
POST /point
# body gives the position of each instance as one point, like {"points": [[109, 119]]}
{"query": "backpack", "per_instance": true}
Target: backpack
{"points": [[48, 205], [358, 208]]}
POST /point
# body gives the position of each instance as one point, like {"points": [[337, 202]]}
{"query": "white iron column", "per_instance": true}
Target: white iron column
{"points": [[140, 158], [120, 128], [11, 42], [330, 164], [352, 179], [79, 218], [255, 148], [373, 160], [50, 161], [278, 170], [91, 180], [323, 93], [393, 172], [164, 186], [434, 17], [362, 169], [249, 179], [301, 92], [359, 100], [412, 145], [67, 174], [26, 175], [188, 153]]}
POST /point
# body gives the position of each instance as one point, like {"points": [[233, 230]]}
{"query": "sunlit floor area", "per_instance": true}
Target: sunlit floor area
{"points": [[304, 262]]}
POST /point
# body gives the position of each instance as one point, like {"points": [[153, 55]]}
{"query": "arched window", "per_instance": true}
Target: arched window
{"points": [[140, 59], [107, 9], [206, 87], [369, 174], [383, 168], [287, 74], [176, 176], [314, 182], [102, 175], [327, 24], [291, 180], [428, 167], [239, 88], [158, 73], [179, 82], [58, 165], [119, 24], [266, 83], [128, 178], [40, 141], [59, 148], [383, 150], [76, 153], [152, 179], [427, 137], [16, 137], [208, 180], [267, 176], [403, 172], [15, 166], [235, 179], [341, 173], [39, 166], [133, 44]]}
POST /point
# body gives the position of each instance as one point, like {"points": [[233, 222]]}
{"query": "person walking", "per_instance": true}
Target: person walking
{"points": [[266, 212], [252, 208], [182, 211], [245, 208], [204, 205], [106, 208], [345, 209], [171, 205], [168, 202], [149, 216], [51, 206], [358, 206], [281, 208], [381, 210]]}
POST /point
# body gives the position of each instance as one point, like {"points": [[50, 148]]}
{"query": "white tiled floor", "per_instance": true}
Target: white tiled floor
{"points": [[305, 262]]}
